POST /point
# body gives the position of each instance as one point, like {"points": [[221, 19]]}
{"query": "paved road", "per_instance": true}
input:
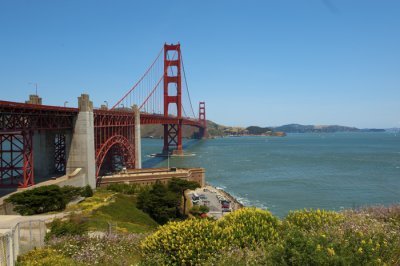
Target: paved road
{"points": [[211, 201]]}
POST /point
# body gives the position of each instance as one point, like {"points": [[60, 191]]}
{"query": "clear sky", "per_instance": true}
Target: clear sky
{"points": [[263, 62]]}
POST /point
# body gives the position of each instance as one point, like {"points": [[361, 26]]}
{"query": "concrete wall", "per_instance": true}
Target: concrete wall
{"points": [[151, 176]]}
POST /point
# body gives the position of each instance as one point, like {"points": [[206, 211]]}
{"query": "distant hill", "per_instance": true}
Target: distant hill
{"points": [[372, 130], [254, 130], [393, 130], [157, 131], [296, 128], [215, 130]]}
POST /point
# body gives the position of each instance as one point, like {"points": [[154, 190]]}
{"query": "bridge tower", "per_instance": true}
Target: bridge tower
{"points": [[172, 79], [203, 120]]}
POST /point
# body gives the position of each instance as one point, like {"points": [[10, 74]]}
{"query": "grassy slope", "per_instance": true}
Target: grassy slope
{"points": [[123, 215], [118, 209]]}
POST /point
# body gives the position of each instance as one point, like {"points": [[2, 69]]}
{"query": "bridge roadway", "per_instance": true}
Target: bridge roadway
{"points": [[21, 116], [68, 138]]}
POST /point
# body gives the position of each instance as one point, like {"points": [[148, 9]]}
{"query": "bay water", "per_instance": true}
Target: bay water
{"points": [[330, 171]]}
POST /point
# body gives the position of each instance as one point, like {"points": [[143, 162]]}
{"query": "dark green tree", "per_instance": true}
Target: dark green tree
{"points": [[178, 185], [162, 202]]}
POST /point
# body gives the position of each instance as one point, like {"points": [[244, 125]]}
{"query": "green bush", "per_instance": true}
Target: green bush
{"points": [[39, 200], [123, 188], [87, 192], [46, 198], [199, 210], [58, 228], [70, 193]]}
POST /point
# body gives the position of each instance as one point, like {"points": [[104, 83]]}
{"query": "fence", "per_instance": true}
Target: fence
{"points": [[5, 249], [23, 237]]}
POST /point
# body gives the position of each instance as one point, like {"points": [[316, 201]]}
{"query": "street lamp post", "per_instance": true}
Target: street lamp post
{"points": [[36, 85], [168, 159]]}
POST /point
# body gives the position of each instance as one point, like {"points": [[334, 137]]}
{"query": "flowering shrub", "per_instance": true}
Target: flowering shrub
{"points": [[193, 241], [313, 219], [252, 236], [248, 227], [44, 257], [187, 242], [325, 237]]}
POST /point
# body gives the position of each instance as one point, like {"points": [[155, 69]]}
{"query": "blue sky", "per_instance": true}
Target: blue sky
{"points": [[263, 63]]}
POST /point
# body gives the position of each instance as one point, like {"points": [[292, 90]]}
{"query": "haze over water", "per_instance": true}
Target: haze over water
{"points": [[330, 170]]}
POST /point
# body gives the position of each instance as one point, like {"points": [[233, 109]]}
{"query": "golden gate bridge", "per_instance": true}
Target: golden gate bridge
{"points": [[37, 139]]}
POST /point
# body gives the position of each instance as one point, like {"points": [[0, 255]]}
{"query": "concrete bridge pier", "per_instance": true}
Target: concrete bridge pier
{"points": [[43, 153], [138, 137], [50, 150], [81, 153]]}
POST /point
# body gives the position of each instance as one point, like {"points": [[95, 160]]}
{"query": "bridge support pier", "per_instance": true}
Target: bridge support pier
{"points": [[138, 139], [81, 154], [43, 152]]}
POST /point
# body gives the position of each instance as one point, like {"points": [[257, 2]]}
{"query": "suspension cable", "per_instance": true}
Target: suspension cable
{"points": [[187, 87], [137, 83]]}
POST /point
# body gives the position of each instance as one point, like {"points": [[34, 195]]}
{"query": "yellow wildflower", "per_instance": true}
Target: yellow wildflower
{"points": [[331, 251]]}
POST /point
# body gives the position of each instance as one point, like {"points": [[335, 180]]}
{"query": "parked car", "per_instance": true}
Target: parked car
{"points": [[195, 199], [225, 204]]}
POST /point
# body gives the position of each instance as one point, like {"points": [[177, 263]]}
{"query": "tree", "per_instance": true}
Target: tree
{"points": [[159, 202], [162, 202], [180, 185]]}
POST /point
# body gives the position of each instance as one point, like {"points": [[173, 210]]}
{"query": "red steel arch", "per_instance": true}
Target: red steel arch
{"points": [[114, 129], [124, 144]]}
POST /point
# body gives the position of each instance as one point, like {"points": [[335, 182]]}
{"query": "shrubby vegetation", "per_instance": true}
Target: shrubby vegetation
{"points": [[249, 236], [129, 189], [253, 237], [198, 210], [44, 257], [74, 226], [84, 250], [102, 250], [46, 198], [164, 202]]}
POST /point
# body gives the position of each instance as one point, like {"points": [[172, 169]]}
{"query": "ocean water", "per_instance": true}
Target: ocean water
{"points": [[330, 171]]}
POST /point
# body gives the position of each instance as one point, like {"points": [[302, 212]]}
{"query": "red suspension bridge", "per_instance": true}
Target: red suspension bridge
{"points": [[40, 140]]}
